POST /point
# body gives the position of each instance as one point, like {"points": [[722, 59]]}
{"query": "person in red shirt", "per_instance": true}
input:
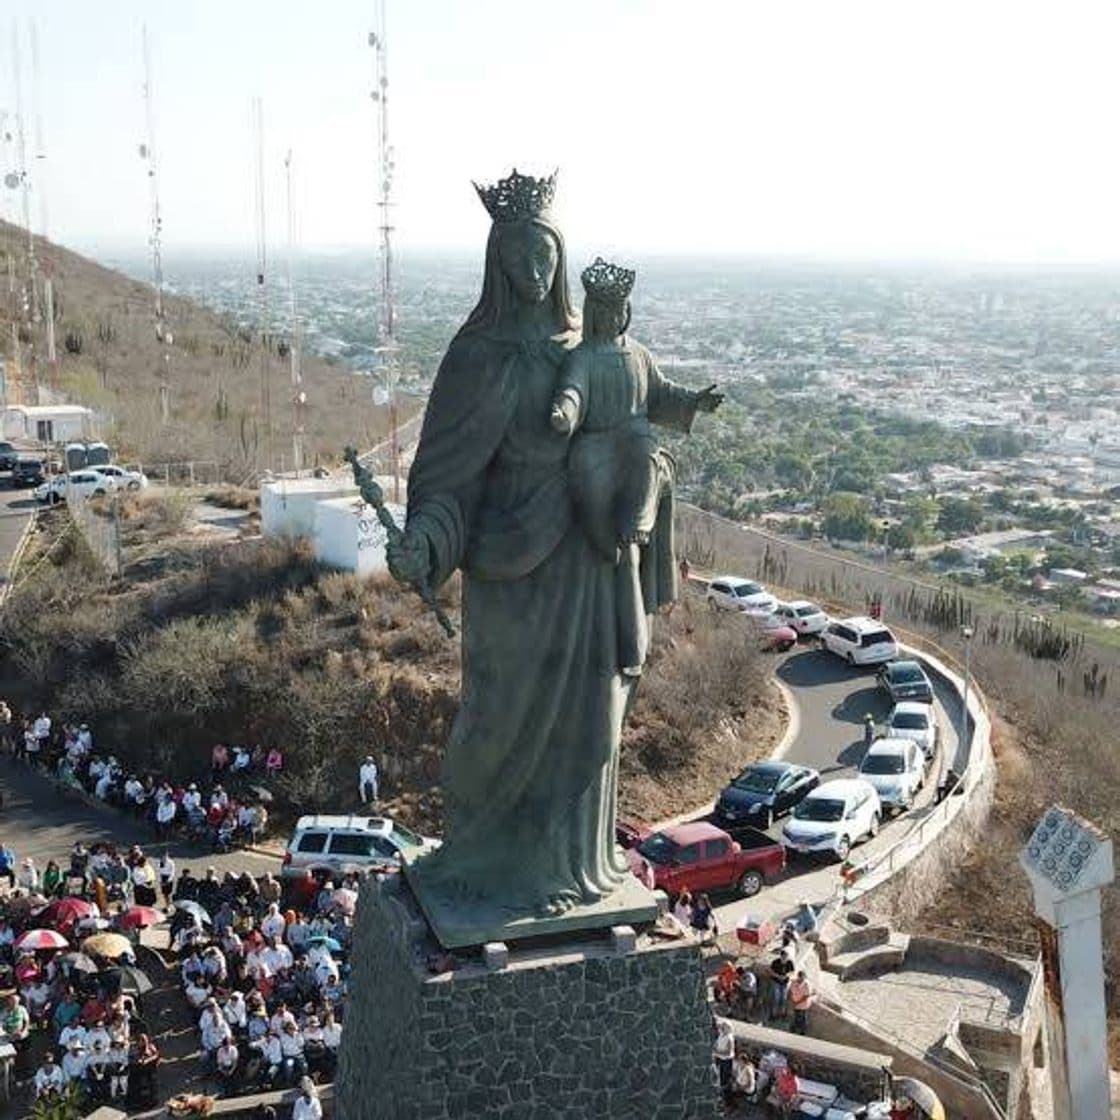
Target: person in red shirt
{"points": [[786, 1091]]}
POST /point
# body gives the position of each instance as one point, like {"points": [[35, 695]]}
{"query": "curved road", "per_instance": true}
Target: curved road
{"points": [[16, 507]]}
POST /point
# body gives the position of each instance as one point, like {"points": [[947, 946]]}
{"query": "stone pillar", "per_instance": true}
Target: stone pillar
{"points": [[1069, 861], [575, 1028]]}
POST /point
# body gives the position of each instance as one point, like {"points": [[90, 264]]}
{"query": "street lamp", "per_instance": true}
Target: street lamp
{"points": [[966, 634]]}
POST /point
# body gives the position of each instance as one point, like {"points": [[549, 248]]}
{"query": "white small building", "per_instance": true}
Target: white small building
{"points": [[47, 423], [288, 504], [349, 536]]}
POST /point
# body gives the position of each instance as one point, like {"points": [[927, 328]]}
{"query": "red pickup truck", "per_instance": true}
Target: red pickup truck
{"points": [[700, 857]]}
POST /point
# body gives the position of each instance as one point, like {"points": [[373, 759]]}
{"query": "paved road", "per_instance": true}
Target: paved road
{"points": [[16, 507], [37, 822]]}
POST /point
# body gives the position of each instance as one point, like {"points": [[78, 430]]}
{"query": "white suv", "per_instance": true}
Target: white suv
{"points": [[730, 593], [833, 817], [860, 641], [913, 720], [897, 770], [331, 845]]}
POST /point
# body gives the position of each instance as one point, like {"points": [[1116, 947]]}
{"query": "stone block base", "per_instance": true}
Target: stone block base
{"points": [[574, 1029]]}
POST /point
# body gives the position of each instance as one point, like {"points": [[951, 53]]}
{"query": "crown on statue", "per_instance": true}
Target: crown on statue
{"points": [[518, 197], [608, 282]]}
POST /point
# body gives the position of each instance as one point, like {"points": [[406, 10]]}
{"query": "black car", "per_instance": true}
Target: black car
{"points": [[905, 680], [28, 472], [764, 791], [8, 455]]}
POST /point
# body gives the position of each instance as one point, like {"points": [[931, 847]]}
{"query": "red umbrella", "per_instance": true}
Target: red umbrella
{"points": [[137, 917], [65, 912], [41, 939]]}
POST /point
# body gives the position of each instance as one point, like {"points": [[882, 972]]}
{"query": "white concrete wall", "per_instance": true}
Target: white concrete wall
{"points": [[288, 504], [348, 535]]}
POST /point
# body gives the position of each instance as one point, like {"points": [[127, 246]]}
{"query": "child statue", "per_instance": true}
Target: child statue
{"points": [[608, 396]]}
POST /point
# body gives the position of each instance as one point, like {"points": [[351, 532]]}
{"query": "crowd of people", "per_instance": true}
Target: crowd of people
{"points": [[269, 984], [220, 816]]}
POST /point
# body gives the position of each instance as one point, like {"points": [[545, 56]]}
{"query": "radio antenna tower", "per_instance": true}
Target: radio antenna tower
{"points": [[148, 154], [299, 398], [29, 300], [41, 186], [387, 343], [263, 325]]}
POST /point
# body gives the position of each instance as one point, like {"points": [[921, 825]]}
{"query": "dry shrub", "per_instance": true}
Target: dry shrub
{"points": [[162, 514], [234, 497]]}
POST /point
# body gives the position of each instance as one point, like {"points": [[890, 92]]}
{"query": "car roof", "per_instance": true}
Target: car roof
{"points": [[772, 766], [903, 664], [380, 826], [801, 603], [737, 580], [904, 706], [693, 832], [839, 787], [890, 746], [862, 622]]}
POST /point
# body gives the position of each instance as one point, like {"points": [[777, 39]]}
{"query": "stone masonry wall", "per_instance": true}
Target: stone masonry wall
{"points": [[570, 1031]]}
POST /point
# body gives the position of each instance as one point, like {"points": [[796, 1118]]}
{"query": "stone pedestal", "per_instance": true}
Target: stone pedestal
{"points": [[577, 1028]]}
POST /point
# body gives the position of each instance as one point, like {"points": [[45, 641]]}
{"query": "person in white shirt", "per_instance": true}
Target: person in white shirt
{"points": [[297, 933], [166, 876], [213, 1027], [272, 924], [270, 1051], [97, 1035], [307, 1106], [236, 1012], [294, 1064], [220, 798], [367, 781], [192, 799], [49, 1077], [97, 1069], [74, 1062], [277, 955], [118, 1069], [134, 790], [104, 784], [226, 1059], [197, 992], [71, 1033], [42, 729], [28, 877], [280, 1018], [165, 815], [85, 738]]}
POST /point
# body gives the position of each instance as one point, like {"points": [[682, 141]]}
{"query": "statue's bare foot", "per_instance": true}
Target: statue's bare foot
{"points": [[556, 904]]}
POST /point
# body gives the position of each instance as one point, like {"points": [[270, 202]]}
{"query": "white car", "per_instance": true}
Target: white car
{"points": [[859, 641], [804, 617], [121, 478], [77, 484], [730, 593], [913, 720], [332, 845], [833, 817], [897, 770]]}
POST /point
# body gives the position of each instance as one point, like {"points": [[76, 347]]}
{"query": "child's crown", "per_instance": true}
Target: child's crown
{"points": [[517, 197], [608, 282]]}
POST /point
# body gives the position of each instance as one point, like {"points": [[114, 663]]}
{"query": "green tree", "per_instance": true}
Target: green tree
{"points": [[960, 516], [847, 517]]}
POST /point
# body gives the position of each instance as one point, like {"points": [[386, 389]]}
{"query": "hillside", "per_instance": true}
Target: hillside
{"points": [[110, 359]]}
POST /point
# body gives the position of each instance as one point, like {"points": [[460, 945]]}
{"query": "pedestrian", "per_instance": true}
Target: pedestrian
{"points": [[704, 920], [15, 1024], [724, 1056], [274, 763], [748, 989], [868, 729], [685, 571], [219, 760], [781, 969], [42, 729], [8, 865], [682, 908], [801, 999], [28, 877], [167, 877], [367, 781], [49, 1078], [6, 727], [307, 1106]]}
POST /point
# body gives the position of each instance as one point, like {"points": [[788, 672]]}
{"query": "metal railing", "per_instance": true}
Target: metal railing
{"points": [[190, 472], [99, 525]]}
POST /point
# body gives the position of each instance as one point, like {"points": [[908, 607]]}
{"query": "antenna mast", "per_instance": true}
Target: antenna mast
{"points": [[155, 232], [30, 303], [262, 288], [387, 343], [41, 182], [299, 398]]}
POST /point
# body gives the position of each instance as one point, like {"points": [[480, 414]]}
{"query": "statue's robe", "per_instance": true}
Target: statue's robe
{"points": [[530, 776]]}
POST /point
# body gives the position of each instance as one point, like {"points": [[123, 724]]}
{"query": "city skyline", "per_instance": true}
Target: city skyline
{"points": [[929, 133]]}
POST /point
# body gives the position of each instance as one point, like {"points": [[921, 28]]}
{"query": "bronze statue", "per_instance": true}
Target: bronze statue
{"points": [[532, 763]]}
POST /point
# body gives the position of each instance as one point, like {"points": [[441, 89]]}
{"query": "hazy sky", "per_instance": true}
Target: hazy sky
{"points": [[845, 128]]}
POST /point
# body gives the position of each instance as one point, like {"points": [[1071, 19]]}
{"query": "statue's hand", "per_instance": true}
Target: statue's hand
{"points": [[408, 558], [560, 420], [708, 400]]}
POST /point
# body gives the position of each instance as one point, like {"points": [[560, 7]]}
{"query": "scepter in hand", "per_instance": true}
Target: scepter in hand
{"points": [[373, 494]]}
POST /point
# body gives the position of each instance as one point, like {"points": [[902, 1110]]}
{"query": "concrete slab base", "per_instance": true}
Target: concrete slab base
{"points": [[573, 1028]]}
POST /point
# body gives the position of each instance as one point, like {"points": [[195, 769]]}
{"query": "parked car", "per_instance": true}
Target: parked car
{"points": [[76, 484], [729, 593], [773, 633], [701, 857], [28, 471], [860, 641], [8, 455], [628, 834], [331, 845], [763, 792], [121, 478], [804, 617], [897, 770], [911, 719], [905, 680], [833, 817]]}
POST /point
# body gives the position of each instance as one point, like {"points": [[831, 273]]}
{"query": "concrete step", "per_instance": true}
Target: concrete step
{"points": [[884, 956]]}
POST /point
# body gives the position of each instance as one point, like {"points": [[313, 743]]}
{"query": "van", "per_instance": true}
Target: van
{"points": [[332, 846], [859, 641]]}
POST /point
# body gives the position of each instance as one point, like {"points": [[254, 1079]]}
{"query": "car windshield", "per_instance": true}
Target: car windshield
{"points": [[819, 809], [745, 589], [757, 781], [904, 674], [403, 838], [882, 764], [806, 612], [910, 721], [658, 848]]}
